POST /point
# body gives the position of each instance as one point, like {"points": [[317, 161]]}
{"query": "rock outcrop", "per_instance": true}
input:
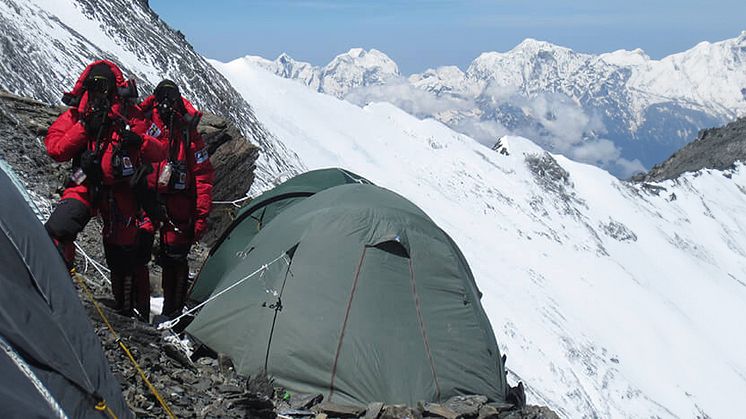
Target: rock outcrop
{"points": [[234, 159], [714, 148]]}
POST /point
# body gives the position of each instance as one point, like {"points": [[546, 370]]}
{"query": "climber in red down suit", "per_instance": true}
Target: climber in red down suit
{"points": [[183, 184], [104, 133]]}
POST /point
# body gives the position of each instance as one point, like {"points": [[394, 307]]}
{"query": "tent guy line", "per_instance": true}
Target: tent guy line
{"points": [[100, 268], [170, 324], [234, 202]]}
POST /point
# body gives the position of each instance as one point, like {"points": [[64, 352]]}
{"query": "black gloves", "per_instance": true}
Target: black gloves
{"points": [[130, 139], [96, 122], [91, 165]]}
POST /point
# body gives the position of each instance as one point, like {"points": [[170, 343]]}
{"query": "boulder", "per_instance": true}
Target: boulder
{"points": [[234, 159]]}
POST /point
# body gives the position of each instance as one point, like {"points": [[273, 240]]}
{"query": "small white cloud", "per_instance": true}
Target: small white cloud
{"points": [[627, 168], [595, 151], [486, 132], [409, 98]]}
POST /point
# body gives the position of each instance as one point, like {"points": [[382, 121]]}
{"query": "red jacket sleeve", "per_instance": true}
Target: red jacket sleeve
{"points": [[65, 138], [203, 175], [152, 149]]}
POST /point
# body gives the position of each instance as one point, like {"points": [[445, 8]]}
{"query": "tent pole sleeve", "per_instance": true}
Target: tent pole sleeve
{"points": [[26, 370]]}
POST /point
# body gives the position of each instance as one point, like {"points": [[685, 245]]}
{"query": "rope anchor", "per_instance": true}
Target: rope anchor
{"points": [[171, 323]]}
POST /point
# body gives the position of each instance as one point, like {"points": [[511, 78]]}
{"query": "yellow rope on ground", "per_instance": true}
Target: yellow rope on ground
{"points": [[103, 407], [81, 281]]}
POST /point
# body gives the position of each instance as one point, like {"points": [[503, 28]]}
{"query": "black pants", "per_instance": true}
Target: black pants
{"points": [[67, 220], [130, 280], [175, 278]]}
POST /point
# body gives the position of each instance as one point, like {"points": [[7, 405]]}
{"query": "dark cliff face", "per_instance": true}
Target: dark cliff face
{"points": [[715, 148], [234, 160], [43, 54]]}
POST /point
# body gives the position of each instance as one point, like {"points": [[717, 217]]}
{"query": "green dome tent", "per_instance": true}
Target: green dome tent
{"points": [[371, 301], [257, 214], [51, 361]]}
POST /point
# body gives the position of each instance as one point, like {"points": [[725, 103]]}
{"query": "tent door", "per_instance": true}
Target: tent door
{"points": [[370, 357]]}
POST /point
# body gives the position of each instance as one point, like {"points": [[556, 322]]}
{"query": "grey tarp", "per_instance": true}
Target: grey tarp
{"points": [[45, 325], [377, 304]]}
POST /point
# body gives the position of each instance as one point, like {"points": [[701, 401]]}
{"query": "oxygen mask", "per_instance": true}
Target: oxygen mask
{"points": [[99, 93], [168, 98]]}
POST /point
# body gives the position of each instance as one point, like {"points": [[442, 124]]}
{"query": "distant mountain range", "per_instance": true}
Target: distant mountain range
{"points": [[622, 110]]}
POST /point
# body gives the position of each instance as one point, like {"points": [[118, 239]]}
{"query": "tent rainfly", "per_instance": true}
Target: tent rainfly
{"points": [[51, 360], [253, 217], [370, 301]]}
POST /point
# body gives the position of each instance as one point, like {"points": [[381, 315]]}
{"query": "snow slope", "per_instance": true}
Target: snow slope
{"points": [[610, 299]]}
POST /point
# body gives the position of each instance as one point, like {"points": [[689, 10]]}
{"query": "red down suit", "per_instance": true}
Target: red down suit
{"points": [[183, 184], [187, 196], [111, 194]]}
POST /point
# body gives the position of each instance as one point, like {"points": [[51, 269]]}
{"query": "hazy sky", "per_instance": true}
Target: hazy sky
{"points": [[421, 34]]}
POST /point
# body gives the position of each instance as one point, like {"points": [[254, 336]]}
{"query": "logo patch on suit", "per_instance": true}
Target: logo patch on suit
{"points": [[201, 156], [154, 131]]}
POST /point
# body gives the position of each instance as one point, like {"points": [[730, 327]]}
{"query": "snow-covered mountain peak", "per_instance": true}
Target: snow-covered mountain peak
{"points": [[450, 72], [358, 52], [533, 46], [530, 66], [623, 57], [443, 80], [285, 58], [371, 59], [741, 40], [356, 68]]}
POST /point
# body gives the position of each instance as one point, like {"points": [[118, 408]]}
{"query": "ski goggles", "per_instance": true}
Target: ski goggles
{"points": [[98, 84]]}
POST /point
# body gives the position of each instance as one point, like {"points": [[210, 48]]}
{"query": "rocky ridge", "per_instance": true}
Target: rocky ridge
{"points": [[714, 148]]}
